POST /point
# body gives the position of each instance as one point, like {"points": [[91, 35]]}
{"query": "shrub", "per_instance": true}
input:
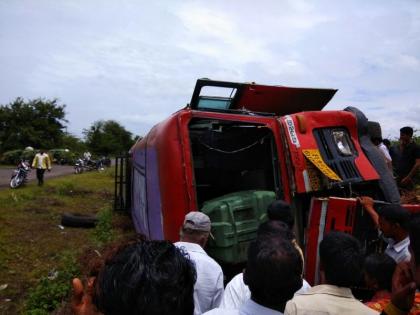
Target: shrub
{"points": [[11, 157], [103, 232], [50, 292], [14, 156], [65, 188], [62, 156]]}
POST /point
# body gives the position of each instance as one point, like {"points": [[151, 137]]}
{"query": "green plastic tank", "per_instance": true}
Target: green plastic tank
{"points": [[235, 218]]}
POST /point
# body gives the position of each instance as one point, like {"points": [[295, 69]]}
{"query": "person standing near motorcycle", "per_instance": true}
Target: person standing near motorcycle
{"points": [[41, 162]]}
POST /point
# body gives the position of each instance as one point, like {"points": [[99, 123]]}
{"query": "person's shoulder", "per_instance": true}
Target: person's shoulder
{"points": [[213, 263], [394, 148], [238, 279], [207, 265], [416, 148], [222, 311], [365, 309]]}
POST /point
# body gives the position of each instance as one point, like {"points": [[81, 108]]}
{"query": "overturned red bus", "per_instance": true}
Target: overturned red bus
{"points": [[237, 147]]}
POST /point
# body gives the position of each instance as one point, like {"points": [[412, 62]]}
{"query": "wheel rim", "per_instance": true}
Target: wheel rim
{"points": [[15, 182]]}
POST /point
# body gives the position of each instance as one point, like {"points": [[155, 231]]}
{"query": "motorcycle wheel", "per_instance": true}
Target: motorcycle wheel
{"points": [[78, 170], [16, 181]]}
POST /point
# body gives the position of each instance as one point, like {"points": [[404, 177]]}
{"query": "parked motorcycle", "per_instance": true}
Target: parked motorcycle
{"points": [[20, 174], [106, 161], [79, 166], [94, 165], [82, 165]]}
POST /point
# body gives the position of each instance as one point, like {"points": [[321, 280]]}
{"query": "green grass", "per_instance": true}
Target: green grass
{"points": [[33, 245], [48, 294]]}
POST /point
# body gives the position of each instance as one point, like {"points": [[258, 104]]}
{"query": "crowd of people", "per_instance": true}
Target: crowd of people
{"points": [[157, 277]]}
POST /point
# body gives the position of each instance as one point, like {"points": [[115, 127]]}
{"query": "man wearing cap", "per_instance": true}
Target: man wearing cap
{"points": [[208, 289]]}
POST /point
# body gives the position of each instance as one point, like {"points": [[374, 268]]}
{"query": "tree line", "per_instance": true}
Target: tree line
{"points": [[42, 124]]}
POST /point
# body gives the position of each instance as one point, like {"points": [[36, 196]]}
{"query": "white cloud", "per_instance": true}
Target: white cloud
{"points": [[410, 62], [137, 61], [149, 119]]}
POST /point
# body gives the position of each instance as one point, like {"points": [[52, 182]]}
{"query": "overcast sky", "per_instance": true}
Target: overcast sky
{"points": [[137, 61]]}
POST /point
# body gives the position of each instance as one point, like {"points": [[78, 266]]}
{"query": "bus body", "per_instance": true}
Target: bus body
{"points": [[230, 153]]}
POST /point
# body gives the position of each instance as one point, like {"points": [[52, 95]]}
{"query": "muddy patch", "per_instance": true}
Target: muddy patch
{"points": [[123, 222], [68, 189], [50, 202], [37, 209], [106, 195]]}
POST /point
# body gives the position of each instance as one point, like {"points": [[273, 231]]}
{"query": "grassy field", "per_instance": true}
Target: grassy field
{"points": [[38, 257]]}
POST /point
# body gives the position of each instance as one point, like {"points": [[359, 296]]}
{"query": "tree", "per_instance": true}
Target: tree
{"points": [[37, 123], [73, 143], [108, 137]]}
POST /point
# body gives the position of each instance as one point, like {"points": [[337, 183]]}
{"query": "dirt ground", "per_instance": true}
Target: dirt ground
{"points": [[57, 170]]}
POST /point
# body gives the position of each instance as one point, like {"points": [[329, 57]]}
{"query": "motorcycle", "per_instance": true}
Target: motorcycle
{"points": [[20, 174], [78, 166], [106, 161], [82, 165], [94, 165]]}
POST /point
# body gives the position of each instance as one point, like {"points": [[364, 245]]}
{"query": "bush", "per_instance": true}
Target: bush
{"points": [[27, 155], [14, 156], [62, 156], [65, 188], [51, 291], [103, 232], [10, 157]]}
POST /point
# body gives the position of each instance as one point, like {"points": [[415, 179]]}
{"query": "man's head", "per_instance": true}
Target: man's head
{"points": [[379, 269], [415, 247], [272, 228], [341, 259], [376, 140], [393, 220], [280, 210], [387, 143], [405, 135], [148, 278], [196, 228], [273, 272]]}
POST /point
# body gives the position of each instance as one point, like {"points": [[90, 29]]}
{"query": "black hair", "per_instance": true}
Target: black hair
{"points": [[414, 233], [280, 210], [380, 267], [407, 131], [279, 229], [273, 271], [148, 278], [395, 213], [342, 259], [386, 142], [376, 140]]}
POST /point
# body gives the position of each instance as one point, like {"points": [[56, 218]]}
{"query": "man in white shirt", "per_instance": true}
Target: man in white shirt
{"points": [[384, 151], [236, 291], [273, 274], [393, 221], [87, 155], [208, 289]]}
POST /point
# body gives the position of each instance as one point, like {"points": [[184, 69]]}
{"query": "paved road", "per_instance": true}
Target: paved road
{"points": [[57, 170]]}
